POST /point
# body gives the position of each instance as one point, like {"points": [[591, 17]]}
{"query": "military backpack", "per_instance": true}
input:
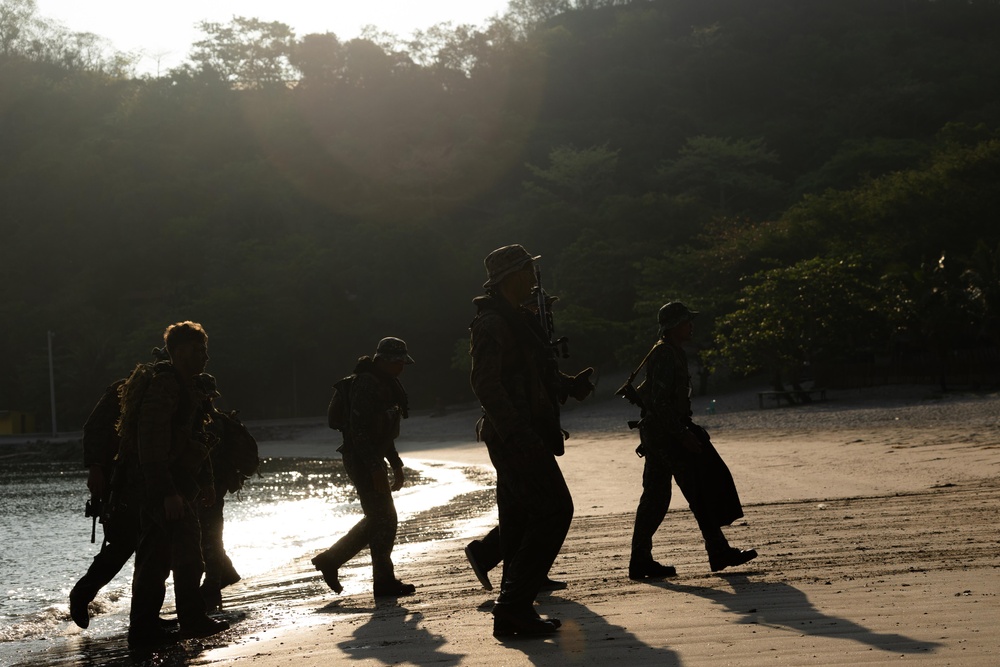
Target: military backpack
{"points": [[339, 412]]}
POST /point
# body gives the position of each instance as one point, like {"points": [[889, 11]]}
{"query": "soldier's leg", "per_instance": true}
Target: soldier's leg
{"points": [[653, 505], [152, 567], [119, 545], [490, 551], [541, 509], [357, 537], [187, 565], [484, 555], [211, 540], [347, 547], [684, 466], [510, 531], [380, 513], [692, 483]]}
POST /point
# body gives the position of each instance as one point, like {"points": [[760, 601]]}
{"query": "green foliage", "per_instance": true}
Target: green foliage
{"points": [[246, 52], [303, 197], [816, 309], [732, 173]]}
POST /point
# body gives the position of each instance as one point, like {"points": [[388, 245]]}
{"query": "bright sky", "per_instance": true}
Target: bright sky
{"points": [[165, 30]]}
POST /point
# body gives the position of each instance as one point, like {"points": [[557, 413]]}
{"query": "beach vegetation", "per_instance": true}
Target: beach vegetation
{"points": [[795, 171]]}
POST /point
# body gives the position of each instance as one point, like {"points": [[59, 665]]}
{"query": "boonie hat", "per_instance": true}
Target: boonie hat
{"points": [[672, 314], [392, 349], [504, 261]]}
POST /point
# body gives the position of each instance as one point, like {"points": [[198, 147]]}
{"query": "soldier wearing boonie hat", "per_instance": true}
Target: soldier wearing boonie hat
{"points": [[376, 404], [505, 261], [517, 381], [392, 349], [674, 446], [672, 314]]}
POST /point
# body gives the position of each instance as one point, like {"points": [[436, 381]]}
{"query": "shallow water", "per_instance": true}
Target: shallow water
{"points": [[282, 518]]}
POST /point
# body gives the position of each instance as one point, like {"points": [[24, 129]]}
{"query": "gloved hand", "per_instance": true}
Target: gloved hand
{"points": [[582, 387], [398, 478]]}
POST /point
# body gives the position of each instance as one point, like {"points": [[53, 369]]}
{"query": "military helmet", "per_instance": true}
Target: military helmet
{"points": [[393, 349], [504, 261], [672, 314]]}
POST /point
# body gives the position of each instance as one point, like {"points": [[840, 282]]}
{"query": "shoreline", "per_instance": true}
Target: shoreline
{"points": [[874, 518], [874, 514]]}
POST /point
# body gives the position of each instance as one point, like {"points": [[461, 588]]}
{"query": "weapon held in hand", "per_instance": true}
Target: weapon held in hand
{"points": [[560, 346], [93, 511], [627, 390]]}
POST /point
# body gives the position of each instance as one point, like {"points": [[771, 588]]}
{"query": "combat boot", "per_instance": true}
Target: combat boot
{"points": [[649, 569], [329, 572], [393, 589], [79, 601], [730, 557]]}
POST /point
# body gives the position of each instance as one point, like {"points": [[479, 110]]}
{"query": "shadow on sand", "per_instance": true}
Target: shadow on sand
{"points": [[585, 638], [782, 606], [388, 626]]}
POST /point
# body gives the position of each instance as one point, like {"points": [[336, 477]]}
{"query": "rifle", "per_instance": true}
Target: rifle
{"points": [[93, 510], [628, 392], [559, 345]]}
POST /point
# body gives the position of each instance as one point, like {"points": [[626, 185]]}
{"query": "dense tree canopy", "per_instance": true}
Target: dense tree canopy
{"points": [[799, 163]]}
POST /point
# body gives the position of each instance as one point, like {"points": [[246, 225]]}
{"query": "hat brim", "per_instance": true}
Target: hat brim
{"points": [[405, 358], [514, 269], [667, 326]]}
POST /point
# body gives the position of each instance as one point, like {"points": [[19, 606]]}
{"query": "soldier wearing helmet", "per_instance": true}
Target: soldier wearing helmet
{"points": [[675, 447]]}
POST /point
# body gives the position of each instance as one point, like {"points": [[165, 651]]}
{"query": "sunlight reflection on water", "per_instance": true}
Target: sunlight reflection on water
{"points": [[294, 509]]}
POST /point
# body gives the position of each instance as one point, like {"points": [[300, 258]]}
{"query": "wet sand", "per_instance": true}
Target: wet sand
{"points": [[874, 512]]}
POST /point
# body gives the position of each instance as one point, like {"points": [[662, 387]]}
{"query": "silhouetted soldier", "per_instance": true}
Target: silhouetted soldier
{"points": [[121, 522], [377, 402], [486, 553], [674, 446], [167, 448], [516, 379]]}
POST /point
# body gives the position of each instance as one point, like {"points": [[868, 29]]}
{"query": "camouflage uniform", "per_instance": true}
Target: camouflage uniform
{"points": [[171, 457], [377, 403], [702, 476], [520, 388]]}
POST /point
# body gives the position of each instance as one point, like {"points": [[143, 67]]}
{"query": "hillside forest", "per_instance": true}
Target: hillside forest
{"points": [[819, 179]]}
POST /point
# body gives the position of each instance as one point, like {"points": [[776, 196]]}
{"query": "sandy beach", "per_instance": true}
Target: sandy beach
{"points": [[874, 512]]}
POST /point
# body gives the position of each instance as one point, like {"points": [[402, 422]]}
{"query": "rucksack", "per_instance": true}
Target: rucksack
{"points": [[238, 457], [130, 395], [339, 412]]}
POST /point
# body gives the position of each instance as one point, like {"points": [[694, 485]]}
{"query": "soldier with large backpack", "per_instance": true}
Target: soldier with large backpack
{"points": [[119, 519], [166, 450], [367, 407]]}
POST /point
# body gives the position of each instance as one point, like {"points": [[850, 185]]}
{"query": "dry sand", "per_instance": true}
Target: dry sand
{"points": [[874, 512]]}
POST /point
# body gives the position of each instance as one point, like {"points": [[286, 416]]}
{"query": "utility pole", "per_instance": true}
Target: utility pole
{"points": [[52, 386]]}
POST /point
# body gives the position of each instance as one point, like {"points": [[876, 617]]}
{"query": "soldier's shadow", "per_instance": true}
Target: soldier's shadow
{"points": [[781, 605], [391, 620], [586, 638]]}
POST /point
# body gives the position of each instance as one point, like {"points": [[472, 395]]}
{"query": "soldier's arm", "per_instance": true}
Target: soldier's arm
{"points": [[578, 386], [489, 335]]}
